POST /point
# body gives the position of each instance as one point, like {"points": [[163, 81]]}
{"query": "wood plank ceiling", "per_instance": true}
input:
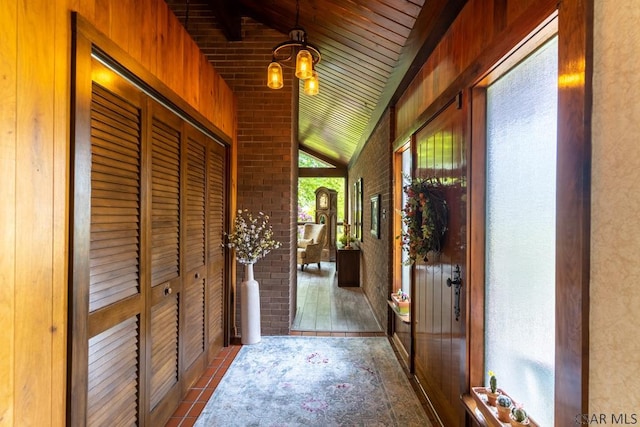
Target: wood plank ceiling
{"points": [[371, 49]]}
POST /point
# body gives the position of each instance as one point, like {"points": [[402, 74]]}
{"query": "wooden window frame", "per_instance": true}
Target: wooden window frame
{"points": [[398, 189], [573, 200]]}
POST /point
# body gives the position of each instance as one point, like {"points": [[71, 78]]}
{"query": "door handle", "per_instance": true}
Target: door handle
{"points": [[457, 282]]}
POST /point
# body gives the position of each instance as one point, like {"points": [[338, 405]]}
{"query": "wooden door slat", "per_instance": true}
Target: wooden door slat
{"points": [[164, 353], [113, 372]]}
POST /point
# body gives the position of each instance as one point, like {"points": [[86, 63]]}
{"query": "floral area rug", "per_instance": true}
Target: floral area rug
{"points": [[315, 381]]}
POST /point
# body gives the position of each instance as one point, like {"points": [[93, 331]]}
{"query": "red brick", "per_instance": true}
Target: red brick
{"points": [[265, 155]]}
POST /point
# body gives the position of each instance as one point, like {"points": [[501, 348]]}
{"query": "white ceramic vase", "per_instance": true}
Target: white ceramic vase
{"points": [[250, 307]]}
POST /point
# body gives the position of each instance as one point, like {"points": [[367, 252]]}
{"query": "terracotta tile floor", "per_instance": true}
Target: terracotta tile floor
{"points": [[195, 400]]}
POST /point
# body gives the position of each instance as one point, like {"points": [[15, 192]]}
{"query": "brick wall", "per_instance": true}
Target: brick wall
{"points": [[266, 152], [264, 158], [374, 166]]}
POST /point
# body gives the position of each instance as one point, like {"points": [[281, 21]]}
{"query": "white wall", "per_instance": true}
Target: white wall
{"points": [[615, 216]]}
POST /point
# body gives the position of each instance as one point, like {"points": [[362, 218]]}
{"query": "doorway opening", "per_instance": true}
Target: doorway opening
{"points": [[321, 305]]}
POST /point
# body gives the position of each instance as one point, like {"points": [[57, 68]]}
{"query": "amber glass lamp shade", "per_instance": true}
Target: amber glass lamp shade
{"points": [[312, 85], [304, 65], [274, 76]]}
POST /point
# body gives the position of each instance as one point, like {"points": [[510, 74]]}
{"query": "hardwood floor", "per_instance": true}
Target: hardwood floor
{"points": [[322, 306]]}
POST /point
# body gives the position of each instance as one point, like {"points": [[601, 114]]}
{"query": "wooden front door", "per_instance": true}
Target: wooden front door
{"points": [[439, 329]]}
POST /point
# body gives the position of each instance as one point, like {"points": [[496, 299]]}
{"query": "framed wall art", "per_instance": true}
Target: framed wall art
{"points": [[357, 209], [375, 216]]}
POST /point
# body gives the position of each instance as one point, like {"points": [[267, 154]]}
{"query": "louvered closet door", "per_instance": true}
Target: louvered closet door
{"points": [[148, 269], [194, 250], [216, 214], [166, 285], [115, 303]]}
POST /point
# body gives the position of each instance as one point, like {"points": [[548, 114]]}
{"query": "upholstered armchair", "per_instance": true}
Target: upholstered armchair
{"points": [[311, 244]]}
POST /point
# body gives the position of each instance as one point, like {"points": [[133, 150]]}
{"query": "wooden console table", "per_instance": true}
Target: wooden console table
{"points": [[348, 267]]}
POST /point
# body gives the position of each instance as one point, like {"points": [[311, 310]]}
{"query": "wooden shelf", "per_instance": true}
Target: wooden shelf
{"points": [[471, 407], [483, 413], [406, 318]]}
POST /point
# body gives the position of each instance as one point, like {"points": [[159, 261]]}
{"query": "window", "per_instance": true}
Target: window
{"points": [[521, 141], [306, 160], [402, 171], [406, 180]]}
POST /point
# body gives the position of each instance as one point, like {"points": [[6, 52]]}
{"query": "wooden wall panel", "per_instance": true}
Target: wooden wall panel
{"points": [[480, 26], [134, 41], [34, 212], [147, 36], [61, 174], [86, 8], [149, 32], [161, 36], [171, 49], [8, 167], [119, 29], [207, 80], [191, 67], [102, 16]]}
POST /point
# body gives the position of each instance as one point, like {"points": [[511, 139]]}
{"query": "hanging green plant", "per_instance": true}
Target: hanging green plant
{"points": [[425, 217]]}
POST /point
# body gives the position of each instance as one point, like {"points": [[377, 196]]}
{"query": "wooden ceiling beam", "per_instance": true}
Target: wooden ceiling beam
{"points": [[322, 173], [339, 166], [228, 15], [260, 11]]}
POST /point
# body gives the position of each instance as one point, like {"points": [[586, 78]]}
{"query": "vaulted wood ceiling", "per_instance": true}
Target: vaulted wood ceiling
{"points": [[371, 49]]}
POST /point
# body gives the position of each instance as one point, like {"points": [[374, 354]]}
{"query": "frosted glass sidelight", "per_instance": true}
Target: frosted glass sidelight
{"points": [[520, 226], [406, 180]]}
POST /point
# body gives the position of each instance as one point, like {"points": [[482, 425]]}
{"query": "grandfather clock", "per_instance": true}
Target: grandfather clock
{"points": [[327, 213]]}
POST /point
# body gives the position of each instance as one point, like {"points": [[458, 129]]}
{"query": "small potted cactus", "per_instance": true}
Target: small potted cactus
{"points": [[492, 391], [504, 407], [518, 416]]}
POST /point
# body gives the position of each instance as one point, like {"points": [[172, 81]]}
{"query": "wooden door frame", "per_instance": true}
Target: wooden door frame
{"points": [[397, 251], [573, 204]]}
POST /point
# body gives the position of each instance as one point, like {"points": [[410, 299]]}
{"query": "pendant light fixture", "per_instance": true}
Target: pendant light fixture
{"points": [[305, 54], [312, 85], [274, 76]]}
